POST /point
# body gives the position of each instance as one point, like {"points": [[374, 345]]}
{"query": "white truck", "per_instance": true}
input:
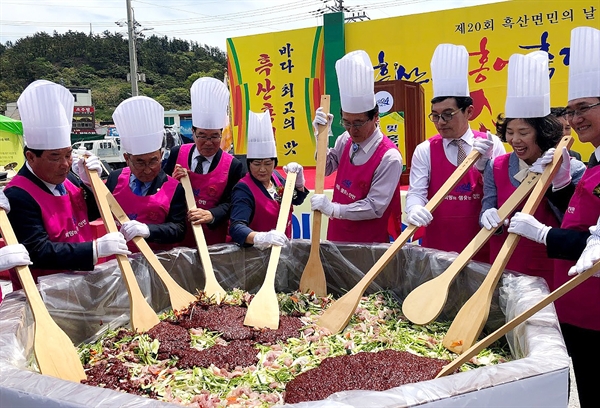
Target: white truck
{"points": [[108, 150]]}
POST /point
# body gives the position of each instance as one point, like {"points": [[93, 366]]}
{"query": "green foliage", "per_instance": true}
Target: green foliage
{"points": [[101, 62]]}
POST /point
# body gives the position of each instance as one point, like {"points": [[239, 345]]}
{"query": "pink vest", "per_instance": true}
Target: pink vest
{"points": [[352, 183], [456, 220], [208, 189], [529, 257], [149, 209], [581, 306], [65, 218], [266, 209]]}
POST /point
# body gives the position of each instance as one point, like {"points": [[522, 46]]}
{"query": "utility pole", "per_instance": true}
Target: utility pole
{"points": [[358, 14], [132, 51]]}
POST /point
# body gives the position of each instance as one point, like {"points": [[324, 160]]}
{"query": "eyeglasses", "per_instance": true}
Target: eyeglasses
{"points": [[356, 125], [209, 139], [579, 112], [446, 117], [141, 165]]}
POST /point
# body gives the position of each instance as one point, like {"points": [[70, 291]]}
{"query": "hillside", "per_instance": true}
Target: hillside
{"points": [[101, 62]]}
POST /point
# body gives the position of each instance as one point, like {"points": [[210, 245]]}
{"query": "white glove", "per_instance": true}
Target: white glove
{"points": [[483, 146], [490, 219], [527, 226], [91, 162], [4, 202], [322, 118], [111, 244], [294, 167], [563, 175], [264, 240], [419, 216], [320, 202], [132, 229], [13, 255], [590, 255]]}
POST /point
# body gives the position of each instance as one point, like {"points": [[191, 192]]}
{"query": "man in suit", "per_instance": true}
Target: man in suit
{"points": [[50, 208], [212, 172], [153, 201], [579, 310]]}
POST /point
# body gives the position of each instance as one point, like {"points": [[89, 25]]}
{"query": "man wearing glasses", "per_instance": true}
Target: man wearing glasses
{"points": [[434, 160], [153, 201], [366, 197], [212, 172], [578, 310]]}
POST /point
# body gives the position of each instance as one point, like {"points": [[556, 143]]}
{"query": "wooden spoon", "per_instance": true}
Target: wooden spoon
{"points": [[337, 316], [54, 351], [313, 276], [212, 288], [480, 345], [471, 318], [180, 298], [143, 318], [425, 303], [263, 310]]}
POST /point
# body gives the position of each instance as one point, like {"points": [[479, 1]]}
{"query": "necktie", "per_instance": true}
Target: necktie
{"points": [[592, 161], [462, 155], [61, 189], [137, 189], [201, 159], [354, 151]]}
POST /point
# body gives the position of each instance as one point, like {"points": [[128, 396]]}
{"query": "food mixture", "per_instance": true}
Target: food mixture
{"points": [[205, 357]]}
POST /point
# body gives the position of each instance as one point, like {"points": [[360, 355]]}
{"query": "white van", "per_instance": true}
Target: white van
{"points": [[107, 150]]}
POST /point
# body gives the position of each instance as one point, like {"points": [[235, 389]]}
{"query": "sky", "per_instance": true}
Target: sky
{"points": [[208, 22]]}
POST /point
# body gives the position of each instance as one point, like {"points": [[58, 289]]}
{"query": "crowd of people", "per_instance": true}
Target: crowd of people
{"points": [[50, 203]]}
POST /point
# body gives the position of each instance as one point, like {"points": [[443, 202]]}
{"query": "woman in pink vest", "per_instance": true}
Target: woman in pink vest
{"points": [[529, 138], [256, 198]]}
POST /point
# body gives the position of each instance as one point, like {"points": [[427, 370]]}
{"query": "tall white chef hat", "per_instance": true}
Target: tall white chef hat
{"points": [[528, 91], [450, 70], [584, 63], [261, 141], [356, 82], [140, 123], [46, 111], [210, 98]]}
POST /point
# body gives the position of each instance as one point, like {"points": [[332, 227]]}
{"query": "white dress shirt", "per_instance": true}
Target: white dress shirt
{"points": [[205, 164]]}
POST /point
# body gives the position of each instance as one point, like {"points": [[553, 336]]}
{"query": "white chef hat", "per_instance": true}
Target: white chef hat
{"points": [[210, 98], [584, 63], [356, 82], [46, 111], [140, 123], [261, 141], [528, 90], [450, 70]]}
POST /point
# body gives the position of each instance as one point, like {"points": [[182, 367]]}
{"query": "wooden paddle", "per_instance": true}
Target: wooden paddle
{"points": [[471, 318], [480, 345], [143, 318], [54, 351], [313, 276], [337, 316], [180, 298], [425, 303], [212, 288], [263, 310]]}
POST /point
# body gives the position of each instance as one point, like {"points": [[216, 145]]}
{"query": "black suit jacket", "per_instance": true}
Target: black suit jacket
{"points": [[26, 219], [566, 243], [173, 229], [236, 172]]}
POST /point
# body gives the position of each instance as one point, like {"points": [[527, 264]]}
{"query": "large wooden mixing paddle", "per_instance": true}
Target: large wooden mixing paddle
{"points": [[313, 276], [480, 345], [263, 310], [143, 318], [425, 303], [469, 322], [54, 351], [337, 316], [212, 288]]}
